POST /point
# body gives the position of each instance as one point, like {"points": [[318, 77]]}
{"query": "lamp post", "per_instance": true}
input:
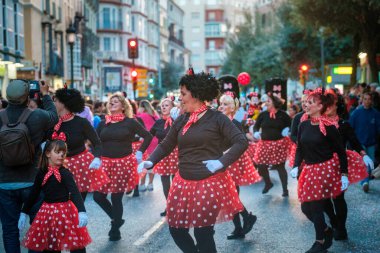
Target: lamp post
{"points": [[71, 40]]}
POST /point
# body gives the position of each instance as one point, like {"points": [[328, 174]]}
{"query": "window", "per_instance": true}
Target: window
{"points": [[106, 18], [211, 16], [195, 29], [195, 58], [195, 44], [133, 24], [106, 44], [263, 20], [211, 44], [195, 15]]}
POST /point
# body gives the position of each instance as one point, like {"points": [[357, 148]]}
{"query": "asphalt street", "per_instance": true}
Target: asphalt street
{"points": [[280, 227]]}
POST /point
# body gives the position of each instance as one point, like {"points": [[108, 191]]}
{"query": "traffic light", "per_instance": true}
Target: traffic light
{"points": [[133, 49], [303, 73]]}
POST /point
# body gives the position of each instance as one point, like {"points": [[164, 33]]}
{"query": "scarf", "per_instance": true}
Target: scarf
{"points": [[61, 119], [52, 171], [272, 113], [168, 121], [114, 118], [324, 121], [193, 118]]}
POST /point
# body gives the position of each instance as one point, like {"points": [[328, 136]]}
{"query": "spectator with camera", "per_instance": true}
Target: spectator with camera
{"points": [[20, 152]]}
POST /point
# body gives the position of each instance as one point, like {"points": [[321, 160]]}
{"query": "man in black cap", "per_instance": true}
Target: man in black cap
{"points": [[16, 181]]}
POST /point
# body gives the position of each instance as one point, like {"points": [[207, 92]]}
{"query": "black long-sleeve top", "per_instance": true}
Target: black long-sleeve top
{"points": [[294, 127], [77, 131], [271, 128], [54, 191], [203, 141], [117, 137], [158, 130], [314, 147], [348, 136]]}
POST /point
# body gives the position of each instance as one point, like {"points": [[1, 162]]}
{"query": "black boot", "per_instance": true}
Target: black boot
{"points": [[340, 234], [317, 248], [249, 221], [114, 233], [267, 187], [163, 214], [328, 238], [236, 234], [136, 191]]}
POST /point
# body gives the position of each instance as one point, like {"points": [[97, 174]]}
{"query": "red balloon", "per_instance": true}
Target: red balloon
{"points": [[244, 78]]}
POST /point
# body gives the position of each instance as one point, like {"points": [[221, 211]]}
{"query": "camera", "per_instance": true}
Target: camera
{"points": [[34, 86], [35, 93]]}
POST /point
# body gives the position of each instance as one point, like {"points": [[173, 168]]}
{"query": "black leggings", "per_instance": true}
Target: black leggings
{"points": [[244, 214], [314, 212], [72, 251], [336, 210], [166, 181], [113, 209], [264, 172], [84, 195], [204, 237]]}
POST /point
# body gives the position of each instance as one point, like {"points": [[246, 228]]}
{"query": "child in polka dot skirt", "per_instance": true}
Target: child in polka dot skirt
{"points": [[60, 224]]}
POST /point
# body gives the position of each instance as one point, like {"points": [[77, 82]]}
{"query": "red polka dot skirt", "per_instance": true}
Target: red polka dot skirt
{"points": [[243, 172], [251, 149], [202, 203], [169, 165], [122, 173], [357, 170], [292, 154], [272, 152], [319, 181], [55, 228], [86, 179], [135, 147]]}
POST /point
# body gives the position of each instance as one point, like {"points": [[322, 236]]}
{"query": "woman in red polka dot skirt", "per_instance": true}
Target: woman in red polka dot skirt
{"points": [[60, 224], [243, 172], [117, 133], [168, 166], [273, 146], [203, 192], [357, 165], [84, 165], [323, 175]]}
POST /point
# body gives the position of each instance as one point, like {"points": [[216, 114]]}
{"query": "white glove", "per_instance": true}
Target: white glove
{"points": [[42, 145], [285, 132], [213, 165], [139, 155], [174, 113], [22, 221], [257, 135], [368, 161], [95, 164], [345, 183], [294, 172], [144, 165], [83, 219]]}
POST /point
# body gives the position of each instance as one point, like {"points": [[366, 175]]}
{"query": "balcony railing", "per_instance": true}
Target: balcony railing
{"points": [[111, 26], [112, 55], [56, 66], [175, 40]]}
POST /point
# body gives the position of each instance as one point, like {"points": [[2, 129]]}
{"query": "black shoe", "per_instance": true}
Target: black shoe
{"points": [[285, 193], [236, 234], [328, 238], [115, 227], [136, 193], [317, 248], [366, 187], [163, 214], [115, 235], [248, 223], [340, 234], [267, 188]]}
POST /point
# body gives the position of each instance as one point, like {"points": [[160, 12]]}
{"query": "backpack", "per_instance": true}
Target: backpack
{"points": [[16, 147]]}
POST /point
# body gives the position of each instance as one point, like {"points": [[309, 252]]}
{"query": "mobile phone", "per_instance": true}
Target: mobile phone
{"points": [[34, 85]]}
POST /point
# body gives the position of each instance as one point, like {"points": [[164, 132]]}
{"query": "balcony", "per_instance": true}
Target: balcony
{"points": [[175, 40], [90, 43], [111, 26], [215, 30], [214, 57], [112, 56]]}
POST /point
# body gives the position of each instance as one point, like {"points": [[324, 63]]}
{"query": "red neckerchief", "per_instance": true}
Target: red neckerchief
{"points": [[61, 119], [168, 121], [193, 118], [52, 170], [114, 118], [304, 117], [272, 113], [336, 119], [324, 121]]}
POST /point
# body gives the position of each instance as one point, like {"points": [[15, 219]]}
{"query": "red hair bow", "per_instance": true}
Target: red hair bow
{"points": [[61, 136], [230, 93]]}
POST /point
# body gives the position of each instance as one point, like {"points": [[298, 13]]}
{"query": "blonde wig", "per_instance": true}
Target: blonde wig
{"points": [[127, 108]]}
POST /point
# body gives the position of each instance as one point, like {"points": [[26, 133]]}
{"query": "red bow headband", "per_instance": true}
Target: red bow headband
{"points": [[60, 136], [190, 71], [229, 93]]}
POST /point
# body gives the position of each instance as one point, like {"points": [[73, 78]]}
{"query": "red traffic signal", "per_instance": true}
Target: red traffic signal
{"points": [[304, 67], [133, 49]]}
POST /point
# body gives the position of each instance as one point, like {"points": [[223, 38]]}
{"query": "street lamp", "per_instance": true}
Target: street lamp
{"points": [[71, 40]]}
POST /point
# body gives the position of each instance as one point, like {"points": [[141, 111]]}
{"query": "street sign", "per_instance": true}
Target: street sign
{"points": [[142, 83]]}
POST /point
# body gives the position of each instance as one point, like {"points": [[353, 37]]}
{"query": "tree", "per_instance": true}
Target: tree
{"points": [[356, 18], [170, 75]]}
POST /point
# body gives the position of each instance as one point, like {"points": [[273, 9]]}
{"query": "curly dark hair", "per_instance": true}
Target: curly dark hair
{"points": [[71, 98], [202, 86], [277, 102]]}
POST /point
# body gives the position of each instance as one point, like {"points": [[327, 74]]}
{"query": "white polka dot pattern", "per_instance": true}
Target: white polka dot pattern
{"points": [[272, 152], [243, 172], [168, 165]]}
